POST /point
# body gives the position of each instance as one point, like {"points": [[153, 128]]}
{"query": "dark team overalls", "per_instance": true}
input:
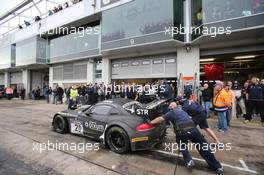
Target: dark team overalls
{"points": [[185, 130], [197, 112]]}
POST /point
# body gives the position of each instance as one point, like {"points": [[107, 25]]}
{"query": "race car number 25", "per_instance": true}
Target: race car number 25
{"points": [[76, 127]]}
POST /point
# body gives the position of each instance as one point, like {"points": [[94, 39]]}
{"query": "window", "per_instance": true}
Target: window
{"points": [[170, 60], [146, 62], [157, 61], [115, 65], [135, 63], [124, 64], [101, 110]]}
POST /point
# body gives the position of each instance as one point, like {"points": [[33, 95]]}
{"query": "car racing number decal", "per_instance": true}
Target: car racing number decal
{"points": [[76, 127]]}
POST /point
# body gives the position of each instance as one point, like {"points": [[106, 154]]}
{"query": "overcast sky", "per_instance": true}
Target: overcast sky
{"points": [[8, 4]]}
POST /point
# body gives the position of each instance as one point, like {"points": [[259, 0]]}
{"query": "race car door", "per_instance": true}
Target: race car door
{"points": [[96, 120]]}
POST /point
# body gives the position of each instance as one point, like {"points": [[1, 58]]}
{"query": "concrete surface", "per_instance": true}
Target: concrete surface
{"points": [[25, 124]]}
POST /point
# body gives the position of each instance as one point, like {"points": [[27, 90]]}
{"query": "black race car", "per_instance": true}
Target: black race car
{"points": [[120, 124]]}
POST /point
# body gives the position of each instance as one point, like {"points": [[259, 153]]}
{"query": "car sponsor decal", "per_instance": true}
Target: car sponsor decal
{"points": [[94, 126], [142, 112], [139, 139], [76, 127]]}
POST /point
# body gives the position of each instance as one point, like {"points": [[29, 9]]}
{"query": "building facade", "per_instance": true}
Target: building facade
{"points": [[134, 41]]}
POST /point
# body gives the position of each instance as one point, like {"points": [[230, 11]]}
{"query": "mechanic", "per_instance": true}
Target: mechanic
{"points": [[198, 114], [185, 130]]}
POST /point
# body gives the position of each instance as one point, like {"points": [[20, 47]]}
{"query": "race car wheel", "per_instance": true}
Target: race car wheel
{"points": [[60, 124], [118, 140]]}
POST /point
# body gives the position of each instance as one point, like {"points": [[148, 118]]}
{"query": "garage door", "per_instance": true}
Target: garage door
{"points": [[145, 67], [70, 71]]}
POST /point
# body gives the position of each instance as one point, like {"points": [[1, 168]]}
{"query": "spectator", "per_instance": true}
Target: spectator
{"points": [[60, 8], [26, 23], [46, 93], [37, 18], [60, 93], [55, 95], [207, 96], [229, 102], [66, 5], [229, 10], [221, 106], [73, 97], [67, 93], [9, 92], [55, 10], [238, 99], [50, 12], [255, 100], [23, 93], [37, 95], [244, 97]]}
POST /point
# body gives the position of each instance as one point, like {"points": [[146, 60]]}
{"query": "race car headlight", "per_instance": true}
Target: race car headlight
{"points": [[144, 127]]}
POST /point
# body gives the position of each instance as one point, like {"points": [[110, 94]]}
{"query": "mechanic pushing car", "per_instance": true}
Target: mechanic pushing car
{"points": [[185, 129], [198, 114]]}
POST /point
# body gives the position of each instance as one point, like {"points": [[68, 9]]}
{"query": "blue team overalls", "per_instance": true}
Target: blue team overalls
{"points": [[180, 118]]}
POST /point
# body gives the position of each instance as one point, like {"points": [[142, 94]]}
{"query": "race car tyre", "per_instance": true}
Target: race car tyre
{"points": [[118, 140], [60, 124]]}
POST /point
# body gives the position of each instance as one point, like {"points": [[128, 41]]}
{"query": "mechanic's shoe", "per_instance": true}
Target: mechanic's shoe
{"points": [[190, 164], [220, 171]]}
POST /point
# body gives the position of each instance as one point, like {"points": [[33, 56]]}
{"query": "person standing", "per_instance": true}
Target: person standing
{"points": [[73, 97], [60, 93], [230, 99], [220, 102], [207, 97], [46, 93], [244, 97], [23, 93], [255, 100], [55, 95], [9, 92]]}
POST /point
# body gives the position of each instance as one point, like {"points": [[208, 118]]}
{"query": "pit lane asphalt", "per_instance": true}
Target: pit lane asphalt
{"points": [[23, 124]]}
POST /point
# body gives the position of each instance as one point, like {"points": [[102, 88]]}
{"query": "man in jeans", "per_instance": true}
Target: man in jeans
{"points": [[207, 97], [220, 105]]}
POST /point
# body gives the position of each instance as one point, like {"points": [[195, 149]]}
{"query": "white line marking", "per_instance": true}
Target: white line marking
{"points": [[243, 163], [198, 159]]}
